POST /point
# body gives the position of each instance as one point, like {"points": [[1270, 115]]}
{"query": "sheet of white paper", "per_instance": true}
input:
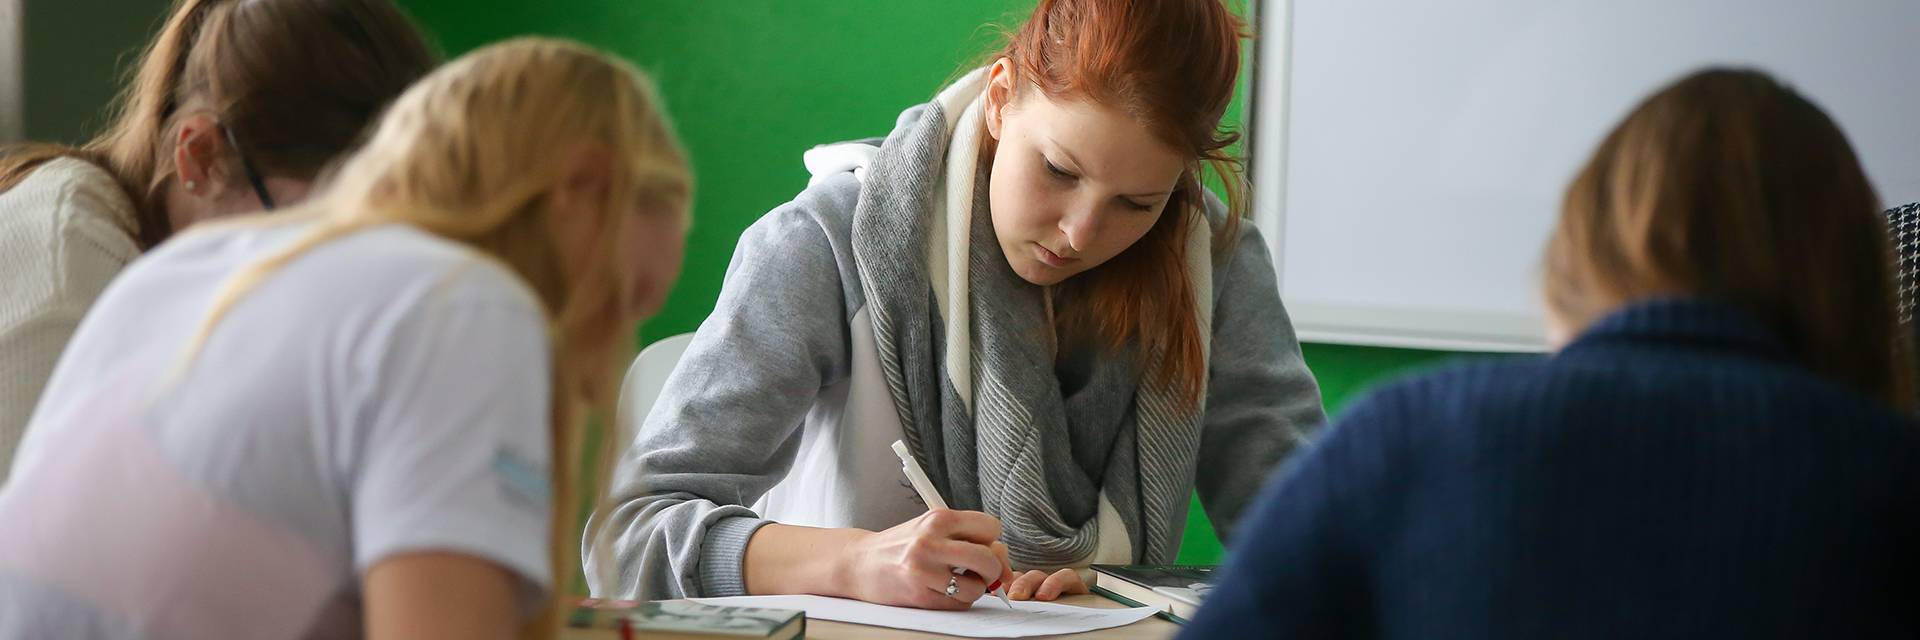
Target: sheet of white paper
{"points": [[987, 619]]}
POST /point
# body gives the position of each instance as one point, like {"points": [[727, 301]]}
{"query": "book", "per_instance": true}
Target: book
{"points": [[1176, 590], [596, 619]]}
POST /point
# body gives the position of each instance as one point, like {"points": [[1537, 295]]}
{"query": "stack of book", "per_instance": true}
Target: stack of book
{"points": [[1176, 590], [596, 619]]}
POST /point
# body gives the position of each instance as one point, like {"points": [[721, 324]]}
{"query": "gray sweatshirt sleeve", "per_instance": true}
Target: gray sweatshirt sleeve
{"points": [[726, 427], [1262, 402]]}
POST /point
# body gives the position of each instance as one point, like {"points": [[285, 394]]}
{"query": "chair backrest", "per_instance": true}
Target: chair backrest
{"points": [[1903, 231], [645, 379]]}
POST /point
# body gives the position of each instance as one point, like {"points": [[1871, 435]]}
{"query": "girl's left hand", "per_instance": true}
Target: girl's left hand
{"points": [[1039, 585]]}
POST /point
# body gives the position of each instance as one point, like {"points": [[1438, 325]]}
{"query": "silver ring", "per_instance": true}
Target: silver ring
{"points": [[953, 586]]}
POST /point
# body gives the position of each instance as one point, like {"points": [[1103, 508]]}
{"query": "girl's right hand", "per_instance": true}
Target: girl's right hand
{"points": [[911, 563]]}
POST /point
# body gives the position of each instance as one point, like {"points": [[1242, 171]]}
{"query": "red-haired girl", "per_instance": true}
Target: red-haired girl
{"points": [[1027, 283]]}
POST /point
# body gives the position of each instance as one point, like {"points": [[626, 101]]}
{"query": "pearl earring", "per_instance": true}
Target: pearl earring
{"points": [[190, 185]]}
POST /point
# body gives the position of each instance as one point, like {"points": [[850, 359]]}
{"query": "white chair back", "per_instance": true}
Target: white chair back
{"points": [[645, 379]]}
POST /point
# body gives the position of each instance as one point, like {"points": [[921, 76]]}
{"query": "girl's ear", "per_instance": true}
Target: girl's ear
{"points": [[1000, 92], [197, 148]]}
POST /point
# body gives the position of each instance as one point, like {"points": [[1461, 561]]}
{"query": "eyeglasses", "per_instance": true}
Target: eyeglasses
{"points": [[253, 177]]}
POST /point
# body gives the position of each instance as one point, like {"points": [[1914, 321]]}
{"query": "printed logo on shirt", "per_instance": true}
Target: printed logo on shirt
{"points": [[522, 480]]}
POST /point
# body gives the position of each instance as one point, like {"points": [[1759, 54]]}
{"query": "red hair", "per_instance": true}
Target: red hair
{"points": [[1172, 66]]}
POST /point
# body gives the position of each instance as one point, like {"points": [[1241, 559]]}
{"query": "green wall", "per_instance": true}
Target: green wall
{"points": [[753, 84], [73, 56]]}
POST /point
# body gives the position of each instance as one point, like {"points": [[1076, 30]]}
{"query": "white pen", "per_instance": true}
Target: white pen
{"points": [[924, 486]]}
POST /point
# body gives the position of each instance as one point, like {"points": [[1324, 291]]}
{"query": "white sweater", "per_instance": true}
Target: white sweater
{"points": [[65, 231]]}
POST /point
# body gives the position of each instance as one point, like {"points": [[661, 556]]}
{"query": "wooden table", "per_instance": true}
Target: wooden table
{"points": [[1154, 628]]}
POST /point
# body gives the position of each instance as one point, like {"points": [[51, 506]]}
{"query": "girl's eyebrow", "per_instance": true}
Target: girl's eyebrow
{"points": [[1077, 168]]}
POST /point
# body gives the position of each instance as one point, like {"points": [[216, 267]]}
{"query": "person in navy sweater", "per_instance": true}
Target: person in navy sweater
{"points": [[1716, 449]]}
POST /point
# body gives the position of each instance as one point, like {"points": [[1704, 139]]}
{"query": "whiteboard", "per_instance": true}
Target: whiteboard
{"points": [[1409, 156]]}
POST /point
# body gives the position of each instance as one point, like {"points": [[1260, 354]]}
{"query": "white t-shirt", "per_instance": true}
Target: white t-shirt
{"points": [[386, 392]]}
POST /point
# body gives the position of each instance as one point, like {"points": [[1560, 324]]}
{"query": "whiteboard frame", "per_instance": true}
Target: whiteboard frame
{"points": [[13, 71], [1267, 170]]}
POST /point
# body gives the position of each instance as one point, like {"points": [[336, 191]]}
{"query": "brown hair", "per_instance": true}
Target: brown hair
{"points": [[1172, 65], [295, 81], [1729, 186]]}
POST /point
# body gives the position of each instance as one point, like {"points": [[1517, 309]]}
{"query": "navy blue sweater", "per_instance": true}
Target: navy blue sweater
{"points": [[1671, 473]]}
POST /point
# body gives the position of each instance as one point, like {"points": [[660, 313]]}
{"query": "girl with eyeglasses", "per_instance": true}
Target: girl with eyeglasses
{"points": [[233, 108]]}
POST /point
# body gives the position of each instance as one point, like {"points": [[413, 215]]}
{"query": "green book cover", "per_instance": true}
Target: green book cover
{"points": [[1176, 590]]}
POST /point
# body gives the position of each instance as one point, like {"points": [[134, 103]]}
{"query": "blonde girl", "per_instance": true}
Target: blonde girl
{"points": [[358, 416]]}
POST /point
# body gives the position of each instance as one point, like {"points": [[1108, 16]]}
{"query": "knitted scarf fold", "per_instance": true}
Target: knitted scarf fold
{"points": [[971, 367]]}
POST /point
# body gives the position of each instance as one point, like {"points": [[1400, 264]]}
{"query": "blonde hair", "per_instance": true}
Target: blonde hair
{"points": [[470, 154], [253, 65]]}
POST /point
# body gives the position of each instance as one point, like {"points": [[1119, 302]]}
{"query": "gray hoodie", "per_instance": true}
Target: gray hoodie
{"points": [[778, 410]]}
